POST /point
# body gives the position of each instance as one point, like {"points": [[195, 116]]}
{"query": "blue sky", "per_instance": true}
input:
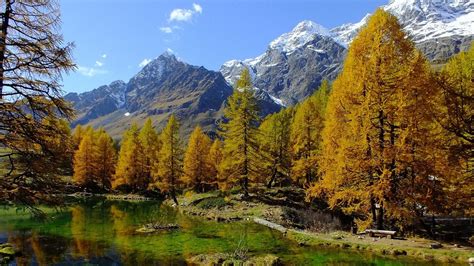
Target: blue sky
{"points": [[113, 37]]}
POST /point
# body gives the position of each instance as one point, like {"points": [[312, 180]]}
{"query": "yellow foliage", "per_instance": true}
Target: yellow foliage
{"points": [[196, 166]]}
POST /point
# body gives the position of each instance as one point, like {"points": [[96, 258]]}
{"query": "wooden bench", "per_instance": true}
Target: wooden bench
{"points": [[374, 232]]}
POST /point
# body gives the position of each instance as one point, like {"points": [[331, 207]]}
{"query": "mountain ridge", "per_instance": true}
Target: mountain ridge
{"points": [[291, 69]]}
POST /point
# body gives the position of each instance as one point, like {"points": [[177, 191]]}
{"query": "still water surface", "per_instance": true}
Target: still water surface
{"points": [[103, 233]]}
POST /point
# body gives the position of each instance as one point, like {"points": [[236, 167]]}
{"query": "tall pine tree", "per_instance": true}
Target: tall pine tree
{"points": [[196, 165], [106, 159], [170, 162], [85, 161], [239, 131], [275, 145], [379, 149], [306, 135], [130, 170], [150, 142], [214, 160]]}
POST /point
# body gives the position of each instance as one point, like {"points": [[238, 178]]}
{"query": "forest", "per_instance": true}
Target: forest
{"points": [[388, 142]]}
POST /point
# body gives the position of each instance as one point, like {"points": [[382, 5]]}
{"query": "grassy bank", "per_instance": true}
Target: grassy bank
{"points": [[214, 206]]}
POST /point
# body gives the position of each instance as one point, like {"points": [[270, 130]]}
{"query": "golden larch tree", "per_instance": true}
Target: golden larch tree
{"points": [[106, 159], [33, 58], [130, 164], [275, 146], [214, 160], [380, 149], [170, 159], [196, 169], [150, 142], [306, 136], [239, 131], [85, 161]]}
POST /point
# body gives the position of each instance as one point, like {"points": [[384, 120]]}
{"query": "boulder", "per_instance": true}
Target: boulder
{"points": [[436, 245]]}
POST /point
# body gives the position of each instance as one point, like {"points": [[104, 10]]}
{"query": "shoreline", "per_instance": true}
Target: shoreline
{"points": [[267, 215]]}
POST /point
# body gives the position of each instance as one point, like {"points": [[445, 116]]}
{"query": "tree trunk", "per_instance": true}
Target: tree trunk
{"points": [[380, 218], [3, 42], [272, 179], [374, 211], [173, 196]]}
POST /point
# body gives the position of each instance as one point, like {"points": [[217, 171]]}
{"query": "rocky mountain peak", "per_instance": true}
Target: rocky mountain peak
{"points": [[423, 20], [303, 33]]}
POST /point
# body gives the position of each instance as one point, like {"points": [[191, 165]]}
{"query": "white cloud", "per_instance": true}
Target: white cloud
{"points": [[197, 8], [104, 56], [98, 63], [144, 62], [169, 50], [181, 14], [90, 71], [166, 29]]}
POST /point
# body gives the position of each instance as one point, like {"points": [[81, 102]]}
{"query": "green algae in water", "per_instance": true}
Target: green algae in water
{"points": [[103, 232]]}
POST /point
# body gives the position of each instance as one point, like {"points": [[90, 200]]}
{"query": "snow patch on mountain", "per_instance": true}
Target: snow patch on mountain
{"points": [[346, 32], [303, 33], [422, 20], [277, 101]]}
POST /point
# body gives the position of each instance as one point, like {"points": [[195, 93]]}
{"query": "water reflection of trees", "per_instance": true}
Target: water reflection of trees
{"points": [[36, 249], [103, 232], [83, 231]]}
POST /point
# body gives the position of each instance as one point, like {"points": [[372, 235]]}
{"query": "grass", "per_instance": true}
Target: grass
{"points": [[215, 207], [417, 248]]}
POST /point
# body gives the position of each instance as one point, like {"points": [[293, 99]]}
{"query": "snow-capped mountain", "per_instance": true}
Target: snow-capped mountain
{"points": [[166, 85], [291, 68], [423, 20], [293, 65]]}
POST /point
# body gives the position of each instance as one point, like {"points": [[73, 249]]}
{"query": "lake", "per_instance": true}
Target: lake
{"points": [[103, 232]]}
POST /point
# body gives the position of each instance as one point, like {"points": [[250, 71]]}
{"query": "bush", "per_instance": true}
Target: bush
{"points": [[315, 221], [210, 203]]}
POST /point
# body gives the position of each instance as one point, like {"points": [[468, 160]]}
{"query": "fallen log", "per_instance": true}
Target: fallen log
{"points": [[270, 225]]}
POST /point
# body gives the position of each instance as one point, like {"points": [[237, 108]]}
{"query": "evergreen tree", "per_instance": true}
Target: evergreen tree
{"points": [[380, 152], [85, 161], [196, 166], [239, 131], [150, 143], [130, 164], [106, 159], [170, 162], [306, 135], [275, 145]]}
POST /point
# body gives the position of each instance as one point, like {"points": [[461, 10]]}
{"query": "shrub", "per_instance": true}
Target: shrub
{"points": [[210, 203]]}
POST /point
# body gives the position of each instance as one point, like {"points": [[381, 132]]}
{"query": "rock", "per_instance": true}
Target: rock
{"points": [[436, 245], [208, 259], [266, 260], [7, 250], [398, 252], [227, 259], [471, 261], [151, 228]]}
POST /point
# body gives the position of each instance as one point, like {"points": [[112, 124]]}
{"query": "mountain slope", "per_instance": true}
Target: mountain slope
{"points": [[293, 65], [164, 86], [439, 28], [290, 69]]}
